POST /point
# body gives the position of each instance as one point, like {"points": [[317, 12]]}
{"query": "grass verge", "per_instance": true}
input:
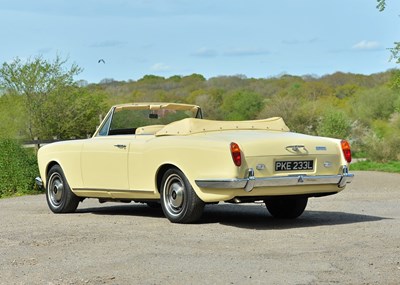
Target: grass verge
{"points": [[392, 166]]}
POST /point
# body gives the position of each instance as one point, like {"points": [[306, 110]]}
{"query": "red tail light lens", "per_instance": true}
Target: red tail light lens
{"points": [[236, 154], [346, 150]]}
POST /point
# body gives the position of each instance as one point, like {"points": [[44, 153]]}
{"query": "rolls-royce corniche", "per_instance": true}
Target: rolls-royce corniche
{"points": [[166, 155]]}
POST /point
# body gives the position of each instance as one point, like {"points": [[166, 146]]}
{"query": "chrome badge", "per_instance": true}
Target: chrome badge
{"points": [[327, 164], [260, 166], [320, 148]]}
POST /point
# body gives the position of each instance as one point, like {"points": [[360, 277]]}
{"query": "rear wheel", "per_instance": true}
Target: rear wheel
{"points": [[58, 194], [286, 208], [179, 202]]}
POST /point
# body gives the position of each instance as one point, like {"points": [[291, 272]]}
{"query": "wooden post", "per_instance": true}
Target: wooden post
{"points": [[37, 143]]}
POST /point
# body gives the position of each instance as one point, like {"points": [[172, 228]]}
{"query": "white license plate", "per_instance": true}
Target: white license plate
{"points": [[294, 165]]}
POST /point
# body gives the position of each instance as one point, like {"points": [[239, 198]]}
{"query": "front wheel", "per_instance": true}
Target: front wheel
{"points": [[286, 208], [58, 194], [179, 202]]}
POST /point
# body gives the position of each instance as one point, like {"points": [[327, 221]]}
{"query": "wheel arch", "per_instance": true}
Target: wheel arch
{"points": [[160, 173], [178, 200], [59, 196], [48, 167], [165, 167]]}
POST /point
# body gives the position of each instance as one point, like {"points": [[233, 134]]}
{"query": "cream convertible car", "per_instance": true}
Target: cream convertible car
{"points": [[164, 153]]}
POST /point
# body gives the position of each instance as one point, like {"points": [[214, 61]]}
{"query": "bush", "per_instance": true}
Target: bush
{"points": [[242, 105], [374, 104], [18, 169], [382, 149], [300, 115], [334, 124]]}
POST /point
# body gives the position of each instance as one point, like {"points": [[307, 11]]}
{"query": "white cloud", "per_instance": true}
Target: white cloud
{"points": [[246, 52], [205, 52], [160, 66], [367, 45]]}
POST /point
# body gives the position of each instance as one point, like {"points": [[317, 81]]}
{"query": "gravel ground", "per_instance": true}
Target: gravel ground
{"points": [[349, 238]]}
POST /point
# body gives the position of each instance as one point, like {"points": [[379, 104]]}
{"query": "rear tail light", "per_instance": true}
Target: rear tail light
{"points": [[236, 154], [346, 150]]}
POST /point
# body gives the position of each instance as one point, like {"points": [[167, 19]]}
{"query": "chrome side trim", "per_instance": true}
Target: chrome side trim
{"points": [[250, 182], [111, 190]]}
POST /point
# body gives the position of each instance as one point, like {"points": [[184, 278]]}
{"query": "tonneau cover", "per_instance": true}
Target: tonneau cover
{"points": [[193, 126]]}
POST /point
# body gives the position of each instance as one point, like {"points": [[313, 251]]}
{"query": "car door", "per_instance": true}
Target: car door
{"points": [[104, 163], [104, 158]]}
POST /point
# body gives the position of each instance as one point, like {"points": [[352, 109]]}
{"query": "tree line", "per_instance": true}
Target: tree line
{"points": [[40, 99]]}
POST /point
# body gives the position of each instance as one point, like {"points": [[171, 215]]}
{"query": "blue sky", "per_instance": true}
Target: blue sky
{"points": [[257, 38]]}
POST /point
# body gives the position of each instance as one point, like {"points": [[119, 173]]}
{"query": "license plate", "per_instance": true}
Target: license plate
{"points": [[294, 165]]}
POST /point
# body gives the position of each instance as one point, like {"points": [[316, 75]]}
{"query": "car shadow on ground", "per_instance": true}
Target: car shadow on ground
{"points": [[140, 210], [257, 217], [242, 216]]}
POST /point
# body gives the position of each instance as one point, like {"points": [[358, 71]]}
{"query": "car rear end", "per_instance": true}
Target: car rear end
{"points": [[283, 163]]}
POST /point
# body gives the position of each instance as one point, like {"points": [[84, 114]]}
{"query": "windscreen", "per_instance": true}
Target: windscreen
{"points": [[126, 118]]}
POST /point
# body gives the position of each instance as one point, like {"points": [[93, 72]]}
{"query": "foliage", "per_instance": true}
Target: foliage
{"points": [[394, 82], [383, 141], [383, 149], [381, 5], [362, 108], [211, 101], [12, 116], [335, 124], [52, 104], [18, 169], [242, 105], [300, 115], [74, 113], [372, 104], [395, 51], [339, 105], [35, 80]]}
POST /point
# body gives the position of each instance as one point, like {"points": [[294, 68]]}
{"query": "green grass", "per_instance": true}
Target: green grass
{"points": [[392, 166]]}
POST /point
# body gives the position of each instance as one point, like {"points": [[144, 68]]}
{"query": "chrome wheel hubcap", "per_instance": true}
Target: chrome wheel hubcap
{"points": [[55, 189], [174, 194]]}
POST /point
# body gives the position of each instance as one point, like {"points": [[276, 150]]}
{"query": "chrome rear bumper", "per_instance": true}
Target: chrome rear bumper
{"points": [[39, 182], [250, 182]]}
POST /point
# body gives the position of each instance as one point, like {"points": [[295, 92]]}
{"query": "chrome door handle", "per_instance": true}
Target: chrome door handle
{"points": [[121, 146]]}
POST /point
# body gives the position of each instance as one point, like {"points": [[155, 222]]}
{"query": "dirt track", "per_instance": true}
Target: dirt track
{"points": [[349, 238]]}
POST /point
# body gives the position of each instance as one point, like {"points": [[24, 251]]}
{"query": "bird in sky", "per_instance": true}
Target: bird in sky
{"points": [[101, 60]]}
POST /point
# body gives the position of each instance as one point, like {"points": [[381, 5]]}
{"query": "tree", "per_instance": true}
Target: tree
{"points": [[12, 116], [242, 105], [78, 116], [395, 51], [36, 80]]}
